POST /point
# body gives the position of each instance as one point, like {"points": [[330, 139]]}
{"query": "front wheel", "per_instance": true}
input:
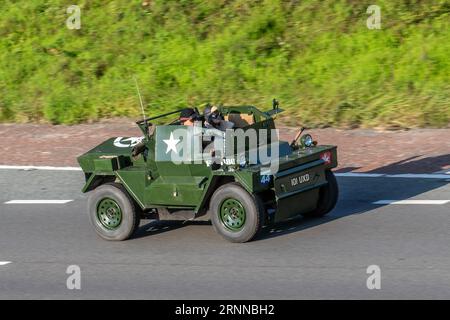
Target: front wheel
{"points": [[113, 212], [328, 196], [235, 214]]}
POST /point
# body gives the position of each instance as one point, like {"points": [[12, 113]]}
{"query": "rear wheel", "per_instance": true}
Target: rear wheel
{"points": [[328, 196], [113, 212], [235, 214]]}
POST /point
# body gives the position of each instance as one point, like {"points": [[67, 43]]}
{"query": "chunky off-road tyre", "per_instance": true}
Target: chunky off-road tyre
{"points": [[235, 214], [328, 197], [113, 212]]}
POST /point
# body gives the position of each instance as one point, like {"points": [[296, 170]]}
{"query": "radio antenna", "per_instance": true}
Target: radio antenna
{"points": [[140, 97]]}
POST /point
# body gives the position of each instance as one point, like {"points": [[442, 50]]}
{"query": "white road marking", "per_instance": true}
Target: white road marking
{"points": [[445, 171], [442, 175], [4, 263], [419, 175], [7, 167], [402, 175], [37, 201], [359, 175], [411, 202]]}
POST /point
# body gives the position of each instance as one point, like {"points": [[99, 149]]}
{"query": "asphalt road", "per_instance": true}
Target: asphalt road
{"points": [[314, 259]]}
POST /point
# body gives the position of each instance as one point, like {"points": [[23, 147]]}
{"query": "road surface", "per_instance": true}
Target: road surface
{"points": [[308, 259]]}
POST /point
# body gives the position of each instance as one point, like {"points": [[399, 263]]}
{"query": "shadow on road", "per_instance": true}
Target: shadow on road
{"points": [[154, 227], [356, 197], [416, 164]]}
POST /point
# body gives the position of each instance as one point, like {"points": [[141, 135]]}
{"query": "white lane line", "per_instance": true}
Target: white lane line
{"points": [[419, 175], [445, 171], [402, 175], [411, 202], [359, 175], [5, 167], [4, 263], [342, 174], [37, 201]]}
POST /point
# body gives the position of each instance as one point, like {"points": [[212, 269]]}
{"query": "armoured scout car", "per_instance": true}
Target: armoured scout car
{"points": [[130, 178]]}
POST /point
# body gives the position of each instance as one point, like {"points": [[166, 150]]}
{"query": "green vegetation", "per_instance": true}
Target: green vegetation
{"points": [[317, 57]]}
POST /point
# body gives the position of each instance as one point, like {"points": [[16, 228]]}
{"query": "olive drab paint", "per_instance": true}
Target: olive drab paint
{"points": [[180, 167]]}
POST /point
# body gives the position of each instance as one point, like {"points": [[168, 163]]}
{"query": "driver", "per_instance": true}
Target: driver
{"points": [[188, 117]]}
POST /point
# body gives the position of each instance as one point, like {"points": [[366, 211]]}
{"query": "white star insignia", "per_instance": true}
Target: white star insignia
{"points": [[171, 143], [121, 142], [133, 140]]}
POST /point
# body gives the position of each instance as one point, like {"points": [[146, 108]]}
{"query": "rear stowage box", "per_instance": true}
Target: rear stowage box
{"points": [[297, 189]]}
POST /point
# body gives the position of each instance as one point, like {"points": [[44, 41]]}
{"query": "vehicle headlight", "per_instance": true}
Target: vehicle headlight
{"points": [[306, 140]]}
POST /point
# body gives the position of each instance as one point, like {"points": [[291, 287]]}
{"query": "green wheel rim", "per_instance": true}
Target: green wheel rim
{"points": [[232, 214], [109, 214]]}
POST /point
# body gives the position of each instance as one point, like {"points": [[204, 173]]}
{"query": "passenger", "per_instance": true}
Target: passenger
{"points": [[214, 119]]}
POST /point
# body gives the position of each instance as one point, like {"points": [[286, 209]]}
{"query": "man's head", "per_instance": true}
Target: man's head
{"points": [[188, 116], [214, 109]]}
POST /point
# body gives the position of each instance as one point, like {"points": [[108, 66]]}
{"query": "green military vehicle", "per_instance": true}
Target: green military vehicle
{"points": [[130, 178]]}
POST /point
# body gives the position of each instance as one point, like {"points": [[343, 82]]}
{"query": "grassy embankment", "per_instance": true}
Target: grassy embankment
{"points": [[317, 57]]}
